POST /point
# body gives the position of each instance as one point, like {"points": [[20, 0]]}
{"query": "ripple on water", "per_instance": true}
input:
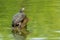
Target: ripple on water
{"points": [[57, 31], [37, 38]]}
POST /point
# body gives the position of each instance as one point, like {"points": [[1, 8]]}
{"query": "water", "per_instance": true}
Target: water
{"points": [[37, 38], [19, 37]]}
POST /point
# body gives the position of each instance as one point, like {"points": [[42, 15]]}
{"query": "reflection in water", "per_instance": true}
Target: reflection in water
{"points": [[19, 37]]}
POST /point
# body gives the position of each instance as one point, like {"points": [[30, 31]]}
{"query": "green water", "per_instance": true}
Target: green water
{"points": [[44, 17]]}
